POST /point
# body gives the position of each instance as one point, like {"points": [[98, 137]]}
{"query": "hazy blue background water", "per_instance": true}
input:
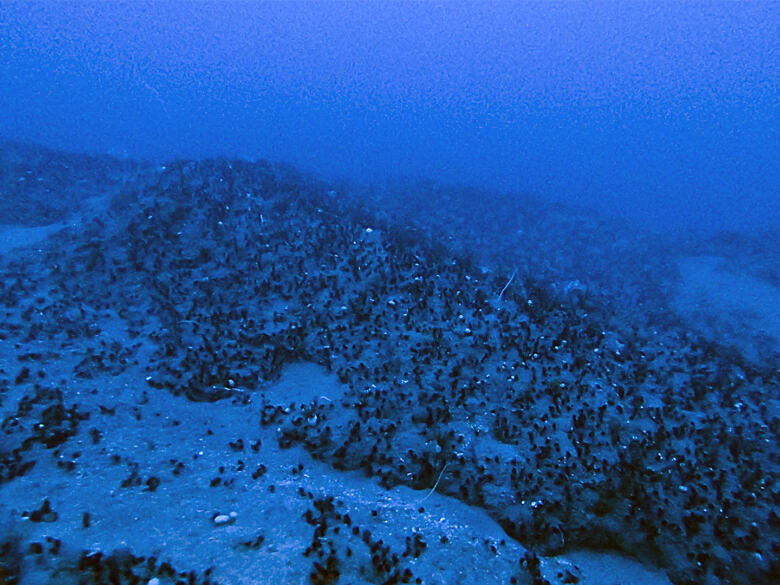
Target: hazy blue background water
{"points": [[666, 113]]}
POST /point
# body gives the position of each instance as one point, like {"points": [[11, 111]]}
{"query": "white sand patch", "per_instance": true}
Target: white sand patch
{"points": [[17, 236], [599, 568], [305, 382], [711, 288], [13, 236]]}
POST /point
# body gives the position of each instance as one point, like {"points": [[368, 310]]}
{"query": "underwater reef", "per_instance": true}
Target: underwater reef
{"points": [[518, 358]]}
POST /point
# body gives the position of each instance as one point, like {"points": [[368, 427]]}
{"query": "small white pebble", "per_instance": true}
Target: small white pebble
{"points": [[221, 520], [153, 581]]}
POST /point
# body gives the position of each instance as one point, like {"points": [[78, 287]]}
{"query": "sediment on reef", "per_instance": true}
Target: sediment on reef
{"points": [[570, 423]]}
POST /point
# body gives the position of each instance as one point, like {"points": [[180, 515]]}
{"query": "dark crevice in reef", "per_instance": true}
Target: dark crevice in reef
{"points": [[573, 421]]}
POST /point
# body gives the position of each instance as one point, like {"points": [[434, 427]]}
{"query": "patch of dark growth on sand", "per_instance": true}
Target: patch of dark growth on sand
{"points": [[553, 393]]}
